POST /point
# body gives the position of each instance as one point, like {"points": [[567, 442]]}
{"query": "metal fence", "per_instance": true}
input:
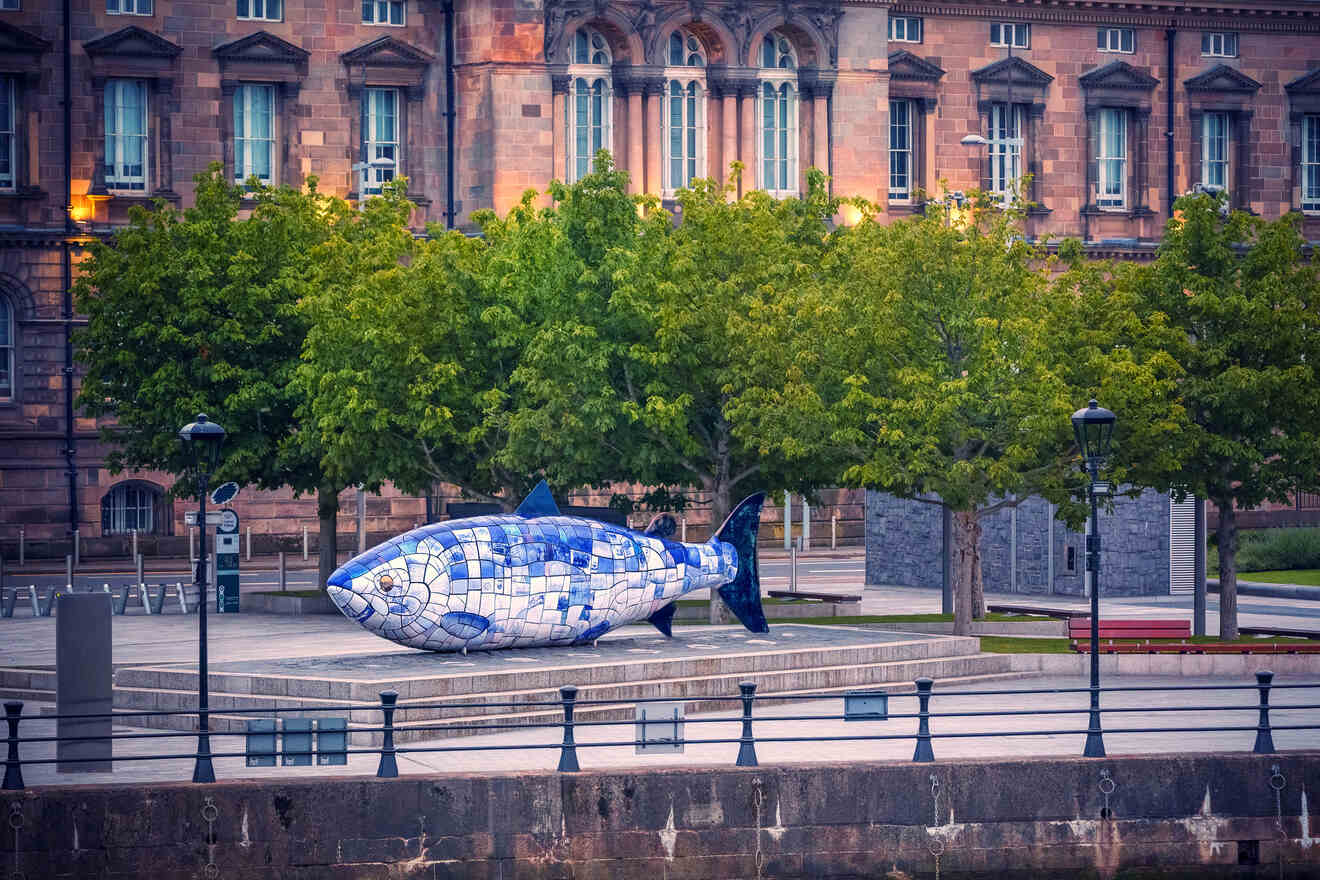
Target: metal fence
{"points": [[333, 744]]}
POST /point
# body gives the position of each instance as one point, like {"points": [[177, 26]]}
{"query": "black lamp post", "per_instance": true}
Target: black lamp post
{"points": [[201, 441], [1094, 427]]}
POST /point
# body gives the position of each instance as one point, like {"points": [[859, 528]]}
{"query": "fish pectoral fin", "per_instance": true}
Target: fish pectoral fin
{"points": [[663, 525], [663, 619]]}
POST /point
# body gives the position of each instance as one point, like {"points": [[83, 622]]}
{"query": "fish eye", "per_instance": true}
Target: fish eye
{"points": [[386, 583]]}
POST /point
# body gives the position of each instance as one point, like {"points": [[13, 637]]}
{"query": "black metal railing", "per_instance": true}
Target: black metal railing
{"points": [[927, 724]]}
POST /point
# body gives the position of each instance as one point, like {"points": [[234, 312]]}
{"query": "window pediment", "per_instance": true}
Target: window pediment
{"points": [[1222, 78], [903, 65], [1012, 71], [132, 42], [387, 61], [1118, 75], [20, 50], [1307, 83], [260, 48]]}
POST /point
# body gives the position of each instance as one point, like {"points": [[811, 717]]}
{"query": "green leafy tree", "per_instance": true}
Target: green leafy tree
{"points": [[1241, 303], [934, 365], [195, 311]]}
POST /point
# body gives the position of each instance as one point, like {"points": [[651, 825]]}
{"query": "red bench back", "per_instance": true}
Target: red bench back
{"points": [[1135, 628]]}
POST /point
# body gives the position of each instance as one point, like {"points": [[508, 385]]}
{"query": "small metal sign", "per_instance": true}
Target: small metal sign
{"points": [[866, 706], [659, 728], [213, 517], [224, 493]]}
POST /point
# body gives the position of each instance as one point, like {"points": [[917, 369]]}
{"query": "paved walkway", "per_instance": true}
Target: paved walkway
{"points": [[1062, 735]]}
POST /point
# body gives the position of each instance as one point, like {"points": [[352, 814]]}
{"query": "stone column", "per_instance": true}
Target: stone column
{"points": [[729, 123], [747, 138], [559, 124], [98, 137], [227, 89], [636, 141], [820, 129], [290, 173], [163, 90], [1035, 113], [1240, 176], [654, 94], [1141, 168]]}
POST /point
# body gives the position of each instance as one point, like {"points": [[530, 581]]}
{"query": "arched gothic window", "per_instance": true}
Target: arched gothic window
{"points": [[778, 117], [590, 102], [7, 346], [685, 111]]}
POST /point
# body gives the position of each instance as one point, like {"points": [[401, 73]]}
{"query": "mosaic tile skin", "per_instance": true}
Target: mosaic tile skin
{"points": [[535, 578]]}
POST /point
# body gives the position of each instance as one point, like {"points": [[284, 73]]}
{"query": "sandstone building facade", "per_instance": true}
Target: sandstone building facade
{"points": [[1111, 108]]}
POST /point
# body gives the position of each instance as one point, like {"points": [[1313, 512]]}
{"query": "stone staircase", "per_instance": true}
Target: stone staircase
{"points": [[480, 700]]}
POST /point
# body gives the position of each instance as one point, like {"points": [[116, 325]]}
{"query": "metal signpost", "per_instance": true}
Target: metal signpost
{"points": [[226, 563]]}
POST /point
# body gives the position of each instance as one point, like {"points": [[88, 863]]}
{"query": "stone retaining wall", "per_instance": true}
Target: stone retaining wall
{"points": [[1202, 816]]}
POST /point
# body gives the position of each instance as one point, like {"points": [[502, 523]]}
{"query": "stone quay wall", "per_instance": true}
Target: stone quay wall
{"points": [[1184, 816]]}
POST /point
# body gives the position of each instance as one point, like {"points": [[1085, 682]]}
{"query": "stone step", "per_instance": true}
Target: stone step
{"points": [[450, 683]]}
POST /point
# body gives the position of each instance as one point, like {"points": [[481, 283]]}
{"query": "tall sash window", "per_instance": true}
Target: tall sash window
{"points": [[590, 102], [380, 137], [778, 122], [1311, 164], [685, 111], [254, 133], [1005, 150], [1214, 150], [126, 134], [900, 150], [8, 146], [1111, 163]]}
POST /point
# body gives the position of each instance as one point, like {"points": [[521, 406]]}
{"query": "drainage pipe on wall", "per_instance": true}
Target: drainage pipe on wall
{"points": [[1170, 38], [70, 448], [450, 104]]}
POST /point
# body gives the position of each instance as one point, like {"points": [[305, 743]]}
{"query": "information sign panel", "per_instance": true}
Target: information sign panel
{"points": [[226, 563]]}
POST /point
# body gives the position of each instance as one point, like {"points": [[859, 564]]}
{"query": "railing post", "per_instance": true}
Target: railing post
{"points": [[1264, 738], [747, 744], [568, 762], [13, 769], [389, 767], [924, 753]]}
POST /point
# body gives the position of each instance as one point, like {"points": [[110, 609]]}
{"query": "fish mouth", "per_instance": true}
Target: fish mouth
{"points": [[339, 595]]}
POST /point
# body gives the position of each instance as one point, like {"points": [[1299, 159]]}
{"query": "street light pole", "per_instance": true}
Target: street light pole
{"points": [[1094, 426], [201, 442]]}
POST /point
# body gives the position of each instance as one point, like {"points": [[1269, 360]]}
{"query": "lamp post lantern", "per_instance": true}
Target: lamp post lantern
{"points": [[201, 441], [1094, 427]]}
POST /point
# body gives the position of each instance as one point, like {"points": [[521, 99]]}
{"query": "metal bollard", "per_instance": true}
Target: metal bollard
{"points": [[747, 744], [568, 762], [22, 545], [389, 767], [284, 573], [248, 555], [77, 548], [13, 769], [792, 570], [806, 526], [834, 532], [1264, 737], [68, 573], [137, 564], [135, 550], [304, 543], [683, 530], [924, 752], [192, 550]]}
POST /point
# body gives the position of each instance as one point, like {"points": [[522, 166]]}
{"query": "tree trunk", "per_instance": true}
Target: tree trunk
{"points": [[327, 512], [978, 582], [965, 561], [720, 505], [1228, 536]]}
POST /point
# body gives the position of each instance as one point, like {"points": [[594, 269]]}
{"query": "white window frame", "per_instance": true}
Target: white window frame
{"points": [[1215, 169], [1219, 44], [259, 10], [1110, 39], [374, 148], [116, 140], [120, 7], [9, 133], [900, 132], [786, 131], [905, 29], [381, 12], [245, 141], [1005, 150], [688, 75], [1310, 171], [7, 346], [589, 114], [1005, 34], [123, 500], [1111, 160]]}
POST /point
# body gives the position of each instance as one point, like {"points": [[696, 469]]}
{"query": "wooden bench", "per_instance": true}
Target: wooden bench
{"points": [[1060, 613], [1126, 632], [804, 594]]}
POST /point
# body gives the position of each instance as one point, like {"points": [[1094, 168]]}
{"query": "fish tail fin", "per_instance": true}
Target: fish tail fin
{"points": [[663, 619], [743, 594]]}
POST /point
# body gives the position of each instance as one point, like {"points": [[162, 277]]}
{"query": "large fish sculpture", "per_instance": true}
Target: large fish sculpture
{"points": [[535, 578]]}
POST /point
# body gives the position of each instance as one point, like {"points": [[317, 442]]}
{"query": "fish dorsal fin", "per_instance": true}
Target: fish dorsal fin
{"points": [[538, 503], [662, 526]]}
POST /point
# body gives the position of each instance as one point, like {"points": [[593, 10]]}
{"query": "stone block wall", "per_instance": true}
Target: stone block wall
{"points": [[903, 540]]}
